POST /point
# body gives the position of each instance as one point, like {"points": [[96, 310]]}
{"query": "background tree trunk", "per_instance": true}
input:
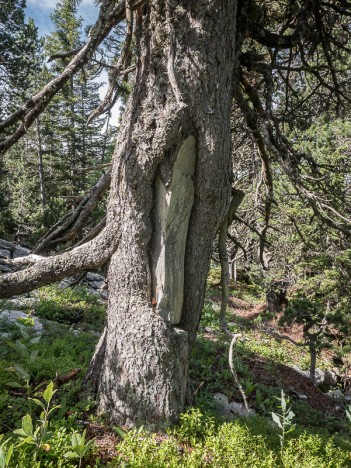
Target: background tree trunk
{"points": [[171, 183]]}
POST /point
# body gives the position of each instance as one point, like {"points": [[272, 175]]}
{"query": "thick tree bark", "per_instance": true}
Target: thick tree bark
{"points": [[313, 354], [170, 188]]}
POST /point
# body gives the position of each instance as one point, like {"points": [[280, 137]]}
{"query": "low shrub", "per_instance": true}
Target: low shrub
{"points": [[71, 305]]}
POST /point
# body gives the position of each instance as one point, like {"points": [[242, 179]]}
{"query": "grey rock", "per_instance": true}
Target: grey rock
{"points": [[336, 394], [35, 293], [319, 374], [331, 378], [320, 377], [93, 277], [20, 252], [96, 284], [104, 294], [22, 302], [300, 371], [6, 245], [12, 316], [5, 268], [230, 410], [5, 253]]}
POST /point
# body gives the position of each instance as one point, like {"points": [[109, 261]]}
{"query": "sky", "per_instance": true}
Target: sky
{"points": [[40, 11]]}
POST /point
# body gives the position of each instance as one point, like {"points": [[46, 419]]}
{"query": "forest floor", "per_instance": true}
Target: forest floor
{"points": [[209, 434], [283, 376]]}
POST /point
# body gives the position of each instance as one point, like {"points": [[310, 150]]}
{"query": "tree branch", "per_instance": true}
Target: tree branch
{"points": [[237, 198], [109, 15], [64, 54], [90, 255], [71, 224]]}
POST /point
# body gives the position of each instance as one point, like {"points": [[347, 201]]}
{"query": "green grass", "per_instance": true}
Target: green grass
{"points": [[201, 441], [59, 351], [70, 306]]}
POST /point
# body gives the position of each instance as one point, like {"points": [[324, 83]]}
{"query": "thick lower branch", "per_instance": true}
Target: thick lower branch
{"points": [[50, 269]]}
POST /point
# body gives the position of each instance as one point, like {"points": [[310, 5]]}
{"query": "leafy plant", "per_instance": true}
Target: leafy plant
{"points": [[70, 306], [6, 450], [248, 385], [194, 425], [284, 420], [39, 436], [24, 350], [263, 402], [80, 447]]}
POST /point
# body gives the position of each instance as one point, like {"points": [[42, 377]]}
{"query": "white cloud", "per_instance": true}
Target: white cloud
{"points": [[52, 3], [42, 3]]}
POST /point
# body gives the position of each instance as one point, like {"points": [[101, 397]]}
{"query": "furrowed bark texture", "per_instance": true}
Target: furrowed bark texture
{"points": [[171, 182], [47, 270]]}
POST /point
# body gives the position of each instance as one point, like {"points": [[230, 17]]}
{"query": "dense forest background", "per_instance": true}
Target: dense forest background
{"points": [[61, 157]]}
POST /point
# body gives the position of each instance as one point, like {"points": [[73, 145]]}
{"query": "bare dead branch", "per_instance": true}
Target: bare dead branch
{"points": [[234, 372], [94, 232], [71, 225], [62, 55], [117, 70], [237, 198], [279, 336]]}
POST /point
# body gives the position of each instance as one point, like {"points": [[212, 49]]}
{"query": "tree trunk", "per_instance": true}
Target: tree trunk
{"points": [[237, 198], [40, 163], [313, 355], [171, 183], [272, 301]]}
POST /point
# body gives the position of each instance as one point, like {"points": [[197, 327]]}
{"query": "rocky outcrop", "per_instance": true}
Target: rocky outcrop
{"points": [[10, 251], [93, 282], [15, 316], [324, 378]]}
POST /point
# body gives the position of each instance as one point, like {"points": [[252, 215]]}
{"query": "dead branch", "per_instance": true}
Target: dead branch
{"points": [[62, 379], [279, 336], [237, 198], [76, 281], [233, 370], [71, 225], [94, 232], [110, 14], [121, 63], [63, 55]]}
